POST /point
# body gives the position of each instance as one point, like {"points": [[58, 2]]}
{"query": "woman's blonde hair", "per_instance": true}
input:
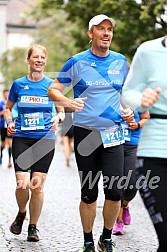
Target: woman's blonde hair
{"points": [[30, 50]]}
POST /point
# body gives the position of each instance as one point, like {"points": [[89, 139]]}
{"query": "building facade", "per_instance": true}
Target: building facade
{"points": [[16, 28]]}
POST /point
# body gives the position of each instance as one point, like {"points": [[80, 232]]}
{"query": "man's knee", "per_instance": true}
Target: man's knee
{"points": [[89, 198]]}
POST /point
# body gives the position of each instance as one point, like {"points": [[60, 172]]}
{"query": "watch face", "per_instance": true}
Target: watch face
{"points": [[59, 119]]}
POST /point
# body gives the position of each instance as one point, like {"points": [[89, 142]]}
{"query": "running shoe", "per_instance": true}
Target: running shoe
{"points": [[106, 245], [88, 247], [126, 216], [32, 233], [16, 226], [118, 228]]}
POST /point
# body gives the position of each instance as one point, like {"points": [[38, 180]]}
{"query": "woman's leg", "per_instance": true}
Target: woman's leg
{"points": [[153, 194], [36, 200]]}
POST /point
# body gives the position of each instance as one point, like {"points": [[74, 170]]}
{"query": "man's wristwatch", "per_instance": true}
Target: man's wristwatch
{"points": [[9, 121], [59, 119]]}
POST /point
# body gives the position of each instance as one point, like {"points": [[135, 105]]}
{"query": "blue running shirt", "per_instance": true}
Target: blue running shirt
{"points": [[133, 135], [100, 79], [34, 108], [2, 120]]}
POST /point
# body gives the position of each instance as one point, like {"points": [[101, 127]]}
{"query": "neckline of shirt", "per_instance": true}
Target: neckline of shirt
{"points": [[34, 81], [100, 57]]}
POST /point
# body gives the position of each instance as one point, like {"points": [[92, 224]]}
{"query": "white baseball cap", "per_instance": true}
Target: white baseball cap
{"points": [[98, 19]]}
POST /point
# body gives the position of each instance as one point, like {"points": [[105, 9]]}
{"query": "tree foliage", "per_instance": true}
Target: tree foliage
{"points": [[57, 38], [12, 65], [62, 27], [136, 21], [50, 33]]}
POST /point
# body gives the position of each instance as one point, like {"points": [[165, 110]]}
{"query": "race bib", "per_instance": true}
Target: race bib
{"points": [[112, 136], [32, 121], [126, 132]]}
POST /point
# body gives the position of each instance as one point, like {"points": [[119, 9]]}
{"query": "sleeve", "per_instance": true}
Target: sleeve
{"points": [[66, 74], [135, 82], [13, 92], [125, 69]]}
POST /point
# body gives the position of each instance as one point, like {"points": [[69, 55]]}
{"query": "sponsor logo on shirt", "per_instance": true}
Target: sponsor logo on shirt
{"points": [[103, 83], [34, 99], [93, 64], [113, 71], [26, 87]]}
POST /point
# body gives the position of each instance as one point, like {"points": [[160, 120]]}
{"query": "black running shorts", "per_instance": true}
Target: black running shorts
{"points": [[33, 155]]}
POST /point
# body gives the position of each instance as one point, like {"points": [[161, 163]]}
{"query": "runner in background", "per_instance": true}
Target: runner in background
{"points": [[132, 133], [67, 135], [5, 139]]}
